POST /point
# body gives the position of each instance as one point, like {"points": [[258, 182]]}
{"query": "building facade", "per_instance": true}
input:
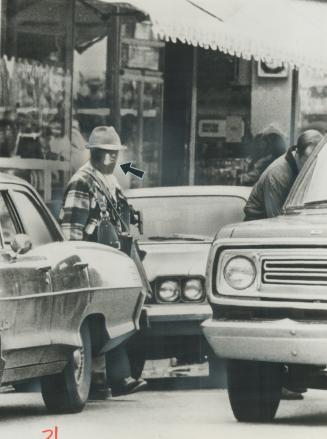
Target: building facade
{"points": [[188, 115]]}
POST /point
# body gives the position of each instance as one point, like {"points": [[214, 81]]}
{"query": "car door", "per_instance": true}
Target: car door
{"points": [[58, 309], [67, 271], [71, 295], [30, 280]]}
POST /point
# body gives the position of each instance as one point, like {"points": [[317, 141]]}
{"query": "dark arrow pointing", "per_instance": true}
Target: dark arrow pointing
{"points": [[127, 167]]}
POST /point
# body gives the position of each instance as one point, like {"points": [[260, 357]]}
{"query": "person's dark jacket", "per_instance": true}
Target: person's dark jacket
{"points": [[271, 190]]}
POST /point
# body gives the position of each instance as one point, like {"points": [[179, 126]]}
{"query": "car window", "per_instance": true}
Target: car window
{"points": [[312, 189], [197, 215], [34, 224], [6, 221]]}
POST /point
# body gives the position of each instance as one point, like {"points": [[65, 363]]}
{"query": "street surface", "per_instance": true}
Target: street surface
{"points": [[172, 407]]}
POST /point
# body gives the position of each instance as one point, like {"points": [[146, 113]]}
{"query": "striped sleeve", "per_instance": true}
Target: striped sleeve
{"points": [[75, 210]]}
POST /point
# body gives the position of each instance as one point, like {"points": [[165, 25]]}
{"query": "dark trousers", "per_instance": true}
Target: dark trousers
{"points": [[111, 368], [118, 366]]}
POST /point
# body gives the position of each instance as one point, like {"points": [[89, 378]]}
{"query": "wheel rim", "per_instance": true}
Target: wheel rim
{"points": [[78, 359]]}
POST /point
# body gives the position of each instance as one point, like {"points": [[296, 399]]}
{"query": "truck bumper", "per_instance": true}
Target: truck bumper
{"points": [[179, 319], [282, 341]]}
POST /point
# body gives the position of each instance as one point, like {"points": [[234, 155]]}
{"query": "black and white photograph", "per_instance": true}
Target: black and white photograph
{"points": [[163, 219]]}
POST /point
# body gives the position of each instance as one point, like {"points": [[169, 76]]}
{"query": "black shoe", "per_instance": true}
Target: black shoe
{"points": [[291, 395], [99, 393], [127, 386]]}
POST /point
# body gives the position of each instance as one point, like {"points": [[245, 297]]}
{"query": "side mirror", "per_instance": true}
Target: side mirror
{"points": [[21, 244]]}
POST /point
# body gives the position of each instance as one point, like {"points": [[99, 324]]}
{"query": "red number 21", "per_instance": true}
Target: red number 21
{"points": [[52, 434]]}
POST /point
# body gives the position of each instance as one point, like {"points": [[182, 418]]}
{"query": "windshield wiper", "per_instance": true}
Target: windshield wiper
{"points": [[177, 236], [291, 209], [309, 204], [315, 203]]}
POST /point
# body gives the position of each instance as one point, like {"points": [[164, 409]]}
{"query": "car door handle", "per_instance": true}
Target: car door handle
{"points": [[44, 268], [81, 265]]}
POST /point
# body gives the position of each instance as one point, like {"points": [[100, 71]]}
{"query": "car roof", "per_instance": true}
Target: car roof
{"points": [[8, 178], [173, 191]]}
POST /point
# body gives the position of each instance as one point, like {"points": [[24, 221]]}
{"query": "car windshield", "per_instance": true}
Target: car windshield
{"points": [[178, 217], [312, 189]]}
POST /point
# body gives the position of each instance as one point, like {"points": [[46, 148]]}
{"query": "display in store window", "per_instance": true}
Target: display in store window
{"points": [[223, 114], [222, 171], [152, 119], [234, 129], [130, 91], [91, 99], [32, 97]]}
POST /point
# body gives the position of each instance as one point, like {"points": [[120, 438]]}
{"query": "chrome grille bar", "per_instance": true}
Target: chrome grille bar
{"points": [[295, 272]]}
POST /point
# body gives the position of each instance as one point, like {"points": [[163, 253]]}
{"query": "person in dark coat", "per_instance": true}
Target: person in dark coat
{"points": [[268, 146], [271, 190]]}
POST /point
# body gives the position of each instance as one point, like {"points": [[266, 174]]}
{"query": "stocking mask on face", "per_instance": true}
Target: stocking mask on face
{"points": [[106, 160]]}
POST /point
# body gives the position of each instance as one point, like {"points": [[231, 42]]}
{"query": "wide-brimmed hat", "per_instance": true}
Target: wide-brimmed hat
{"points": [[104, 137]]}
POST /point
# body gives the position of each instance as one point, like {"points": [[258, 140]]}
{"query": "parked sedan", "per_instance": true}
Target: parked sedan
{"points": [[179, 225], [60, 302]]}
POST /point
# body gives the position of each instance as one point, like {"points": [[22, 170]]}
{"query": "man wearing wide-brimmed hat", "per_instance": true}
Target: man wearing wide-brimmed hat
{"points": [[92, 191], [80, 213]]}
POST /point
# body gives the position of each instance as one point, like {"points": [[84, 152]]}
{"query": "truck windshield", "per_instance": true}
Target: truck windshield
{"points": [[312, 189]]}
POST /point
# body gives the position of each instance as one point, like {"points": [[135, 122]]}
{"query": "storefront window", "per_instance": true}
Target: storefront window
{"points": [[313, 101], [90, 107], [152, 119], [130, 89], [141, 98], [35, 91], [223, 118], [92, 103]]}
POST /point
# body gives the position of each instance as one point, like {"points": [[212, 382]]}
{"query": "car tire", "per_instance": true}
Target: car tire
{"points": [[254, 389], [67, 392]]}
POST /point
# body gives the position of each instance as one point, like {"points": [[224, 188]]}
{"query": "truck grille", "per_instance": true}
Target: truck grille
{"points": [[294, 271]]}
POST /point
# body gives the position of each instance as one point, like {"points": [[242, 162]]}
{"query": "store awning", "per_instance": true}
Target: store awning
{"points": [[279, 31]]}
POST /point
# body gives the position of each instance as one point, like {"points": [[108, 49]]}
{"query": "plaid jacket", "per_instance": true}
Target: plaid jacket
{"points": [[80, 211]]}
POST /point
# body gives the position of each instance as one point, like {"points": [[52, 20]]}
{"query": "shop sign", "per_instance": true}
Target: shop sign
{"points": [[272, 70], [212, 128], [142, 57]]}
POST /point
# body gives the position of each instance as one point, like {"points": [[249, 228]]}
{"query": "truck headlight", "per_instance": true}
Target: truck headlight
{"points": [[169, 291], [240, 272]]}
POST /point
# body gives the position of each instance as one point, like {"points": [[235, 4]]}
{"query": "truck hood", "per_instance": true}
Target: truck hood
{"points": [[300, 225], [175, 258]]}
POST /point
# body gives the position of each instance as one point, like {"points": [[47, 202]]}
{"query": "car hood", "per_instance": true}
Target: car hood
{"points": [[301, 225], [173, 258]]}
